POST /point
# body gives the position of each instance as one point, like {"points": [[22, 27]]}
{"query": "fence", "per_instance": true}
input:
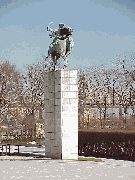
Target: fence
{"points": [[110, 118]]}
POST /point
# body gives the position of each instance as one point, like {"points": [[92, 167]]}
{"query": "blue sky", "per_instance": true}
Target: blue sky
{"points": [[102, 28]]}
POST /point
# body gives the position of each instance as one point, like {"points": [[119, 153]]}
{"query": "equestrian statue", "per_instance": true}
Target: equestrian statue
{"points": [[62, 44]]}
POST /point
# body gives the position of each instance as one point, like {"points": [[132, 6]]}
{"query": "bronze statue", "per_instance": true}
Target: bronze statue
{"points": [[62, 44]]}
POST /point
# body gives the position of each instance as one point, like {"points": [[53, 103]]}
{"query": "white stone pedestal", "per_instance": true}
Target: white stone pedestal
{"points": [[61, 114]]}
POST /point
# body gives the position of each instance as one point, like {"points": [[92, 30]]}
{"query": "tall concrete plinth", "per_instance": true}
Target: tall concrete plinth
{"points": [[61, 114]]}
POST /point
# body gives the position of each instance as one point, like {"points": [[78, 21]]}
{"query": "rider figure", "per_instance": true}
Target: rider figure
{"points": [[55, 32]]}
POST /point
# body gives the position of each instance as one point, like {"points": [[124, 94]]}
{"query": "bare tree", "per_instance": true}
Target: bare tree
{"points": [[33, 98], [102, 87], [10, 94], [125, 65], [81, 97]]}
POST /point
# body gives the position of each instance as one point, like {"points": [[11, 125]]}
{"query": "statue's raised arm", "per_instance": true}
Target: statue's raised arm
{"points": [[54, 32]]}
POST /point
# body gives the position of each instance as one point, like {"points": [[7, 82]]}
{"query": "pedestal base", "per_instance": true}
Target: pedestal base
{"points": [[61, 114]]}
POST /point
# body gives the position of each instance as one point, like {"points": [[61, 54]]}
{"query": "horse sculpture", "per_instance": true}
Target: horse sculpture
{"points": [[62, 44]]}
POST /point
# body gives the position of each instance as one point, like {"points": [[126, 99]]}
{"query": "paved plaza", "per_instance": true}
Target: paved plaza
{"points": [[66, 169], [63, 169]]}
